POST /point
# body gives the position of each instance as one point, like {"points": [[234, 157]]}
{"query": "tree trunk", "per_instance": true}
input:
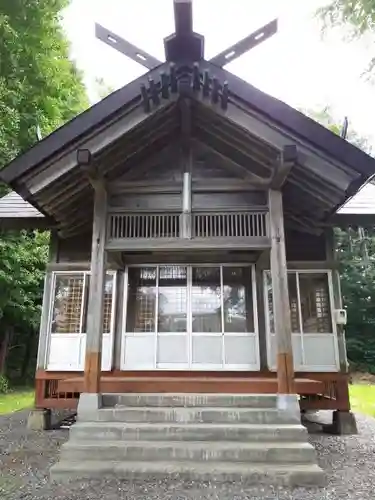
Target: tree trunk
{"points": [[4, 349], [26, 358]]}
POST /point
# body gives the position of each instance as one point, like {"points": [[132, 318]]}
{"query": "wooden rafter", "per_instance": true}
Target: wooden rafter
{"points": [[241, 170]]}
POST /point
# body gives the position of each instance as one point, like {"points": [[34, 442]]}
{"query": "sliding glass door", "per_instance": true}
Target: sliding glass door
{"points": [[190, 317]]}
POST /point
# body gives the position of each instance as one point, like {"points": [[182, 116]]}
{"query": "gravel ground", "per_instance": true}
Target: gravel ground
{"points": [[25, 458]]}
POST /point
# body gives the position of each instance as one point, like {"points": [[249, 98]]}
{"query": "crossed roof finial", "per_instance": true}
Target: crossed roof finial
{"points": [[184, 45]]}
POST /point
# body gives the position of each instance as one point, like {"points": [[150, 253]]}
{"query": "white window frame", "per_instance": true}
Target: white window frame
{"points": [[303, 366], [189, 334], [81, 336]]}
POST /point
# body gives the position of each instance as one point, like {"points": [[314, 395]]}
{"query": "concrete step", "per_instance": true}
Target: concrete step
{"points": [[192, 415], [121, 431], [189, 451], [191, 400], [284, 475]]}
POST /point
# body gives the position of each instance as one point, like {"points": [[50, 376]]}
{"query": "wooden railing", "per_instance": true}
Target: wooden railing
{"points": [[144, 225], [230, 225], [248, 224]]}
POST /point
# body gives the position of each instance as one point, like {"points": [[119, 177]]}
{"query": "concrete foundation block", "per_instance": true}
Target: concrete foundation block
{"points": [[39, 420], [88, 406], [343, 423], [289, 404]]}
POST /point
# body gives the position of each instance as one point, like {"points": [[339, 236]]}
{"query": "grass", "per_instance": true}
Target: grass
{"points": [[16, 400], [362, 398]]}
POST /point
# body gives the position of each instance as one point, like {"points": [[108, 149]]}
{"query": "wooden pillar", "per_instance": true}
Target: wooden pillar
{"points": [[96, 294], [281, 308]]}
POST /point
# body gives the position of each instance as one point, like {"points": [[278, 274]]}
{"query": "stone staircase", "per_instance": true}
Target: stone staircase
{"points": [[197, 436]]}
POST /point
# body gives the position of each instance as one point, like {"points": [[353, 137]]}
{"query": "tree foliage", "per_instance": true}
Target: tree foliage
{"points": [[356, 254], [357, 15], [39, 86], [38, 82], [360, 14]]}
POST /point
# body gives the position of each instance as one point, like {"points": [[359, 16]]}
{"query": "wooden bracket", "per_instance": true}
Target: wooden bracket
{"points": [[91, 171], [287, 159]]}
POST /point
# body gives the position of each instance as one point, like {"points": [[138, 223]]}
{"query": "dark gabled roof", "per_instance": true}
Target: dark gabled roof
{"points": [[278, 112], [16, 213]]}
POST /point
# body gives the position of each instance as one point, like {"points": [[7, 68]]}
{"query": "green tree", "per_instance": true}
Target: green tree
{"points": [[325, 117], [356, 254], [357, 270], [357, 15], [39, 87]]}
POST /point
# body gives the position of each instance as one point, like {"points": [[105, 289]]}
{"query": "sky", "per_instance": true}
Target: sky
{"points": [[297, 65]]}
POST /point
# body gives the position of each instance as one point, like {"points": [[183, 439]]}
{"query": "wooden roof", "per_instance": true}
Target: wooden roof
{"points": [[15, 212], [232, 117]]}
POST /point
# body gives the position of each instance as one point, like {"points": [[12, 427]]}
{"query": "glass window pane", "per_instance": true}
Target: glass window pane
{"points": [[172, 314], [206, 300], [293, 302], [315, 305], [108, 297], [268, 285], [238, 299], [141, 299], [67, 303]]}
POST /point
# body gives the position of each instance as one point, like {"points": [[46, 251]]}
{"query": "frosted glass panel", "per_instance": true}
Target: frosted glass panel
{"points": [[207, 350], [64, 352], [172, 349], [320, 350], [139, 352], [240, 350]]}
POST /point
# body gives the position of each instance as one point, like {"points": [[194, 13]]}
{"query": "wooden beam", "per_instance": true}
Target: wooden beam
{"points": [[126, 48], [164, 155], [280, 294], [229, 134], [242, 171], [287, 160], [311, 159], [236, 50], [96, 293], [96, 143], [184, 245]]}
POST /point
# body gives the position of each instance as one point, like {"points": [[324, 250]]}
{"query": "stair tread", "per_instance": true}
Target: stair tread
{"points": [[200, 467], [191, 394], [192, 425], [189, 444], [217, 409]]}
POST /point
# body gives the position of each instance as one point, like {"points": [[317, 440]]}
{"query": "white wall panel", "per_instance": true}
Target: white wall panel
{"points": [[64, 352], [241, 350], [320, 351], [139, 352]]}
